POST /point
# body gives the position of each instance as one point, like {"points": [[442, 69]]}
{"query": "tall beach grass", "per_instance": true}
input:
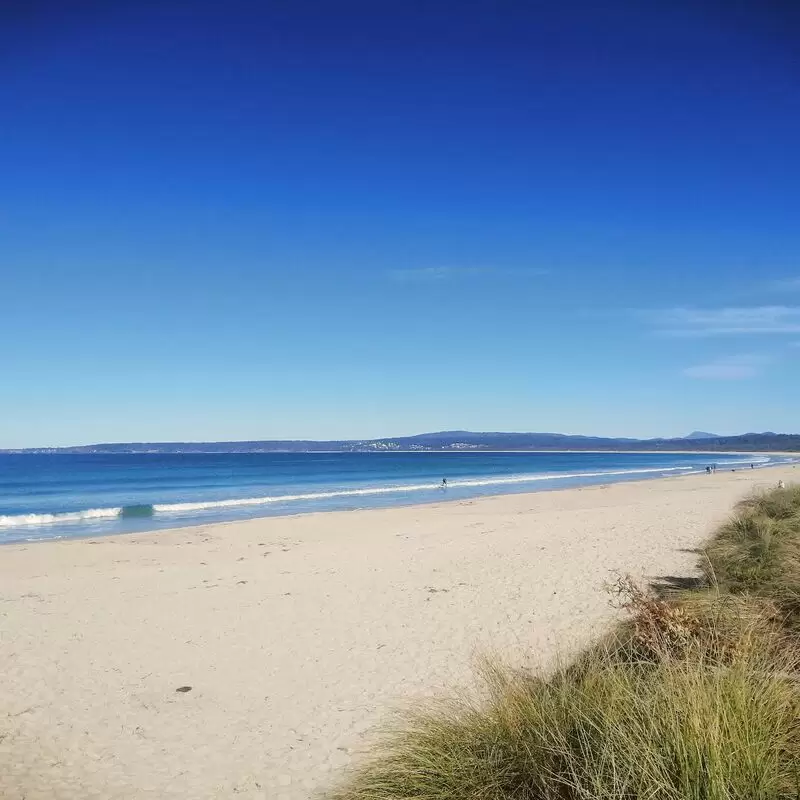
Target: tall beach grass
{"points": [[695, 696]]}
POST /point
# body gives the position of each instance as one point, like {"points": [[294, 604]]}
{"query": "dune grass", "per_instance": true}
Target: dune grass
{"points": [[758, 551], [696, 696]]}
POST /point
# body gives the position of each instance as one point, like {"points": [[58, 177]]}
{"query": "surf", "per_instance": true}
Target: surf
{"points": [[400, 489], [14, 520], [144, 510], [85, 515], [327, 489]]}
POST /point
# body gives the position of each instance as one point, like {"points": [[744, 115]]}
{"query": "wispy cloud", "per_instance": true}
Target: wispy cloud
{"points": [[436, 274], [731, 368], [725, 321], [426, 274], [786, 285]]}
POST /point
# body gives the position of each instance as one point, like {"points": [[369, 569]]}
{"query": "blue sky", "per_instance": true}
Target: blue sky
{"points": [[309, 219]]}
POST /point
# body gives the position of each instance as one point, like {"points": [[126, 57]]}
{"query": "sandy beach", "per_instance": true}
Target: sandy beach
{"points": [[298, 634]]}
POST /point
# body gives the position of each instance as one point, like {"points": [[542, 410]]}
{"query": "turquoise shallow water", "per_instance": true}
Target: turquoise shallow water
{"points": [[62, 495]]}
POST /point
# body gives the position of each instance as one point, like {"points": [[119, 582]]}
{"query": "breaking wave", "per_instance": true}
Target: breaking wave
{"points": [[399, 489], [146, 510], [13, 520]]}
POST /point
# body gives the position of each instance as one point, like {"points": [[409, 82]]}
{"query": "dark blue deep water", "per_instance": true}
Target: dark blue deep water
{"points": [[60, 495]]}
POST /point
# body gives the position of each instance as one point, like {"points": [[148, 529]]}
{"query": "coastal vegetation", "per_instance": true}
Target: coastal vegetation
{"points": [[695, 694]]}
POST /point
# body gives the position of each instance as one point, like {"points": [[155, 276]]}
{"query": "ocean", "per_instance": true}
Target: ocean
{"points": [[64, 495]]}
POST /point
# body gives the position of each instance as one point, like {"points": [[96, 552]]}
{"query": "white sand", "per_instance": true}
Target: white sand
{"points": [[296, 634]]}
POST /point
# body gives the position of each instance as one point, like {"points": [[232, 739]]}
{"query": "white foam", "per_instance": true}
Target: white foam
{"points": [[755, 460], [18, 520], [400, 489]]}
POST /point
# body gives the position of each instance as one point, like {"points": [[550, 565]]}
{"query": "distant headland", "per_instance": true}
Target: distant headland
{"points": [[453, 441]]}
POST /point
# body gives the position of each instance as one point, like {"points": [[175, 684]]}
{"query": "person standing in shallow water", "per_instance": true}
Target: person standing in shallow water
{"points": [[444, 483]]}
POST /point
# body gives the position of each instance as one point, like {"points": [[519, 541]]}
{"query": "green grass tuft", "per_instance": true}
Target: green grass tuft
{"points": [[758, 551], [682, 728], [695, 697]]}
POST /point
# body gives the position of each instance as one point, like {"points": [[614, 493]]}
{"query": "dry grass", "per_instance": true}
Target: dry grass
{"points": [[758, 551], [680, 728], [695, 697]]}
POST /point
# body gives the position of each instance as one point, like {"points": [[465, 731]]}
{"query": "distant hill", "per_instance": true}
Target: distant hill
{"points": [[449, 441], [702, 435]]}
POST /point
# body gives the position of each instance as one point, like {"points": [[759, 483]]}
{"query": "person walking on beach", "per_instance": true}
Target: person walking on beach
{"points": [[708, 470]]}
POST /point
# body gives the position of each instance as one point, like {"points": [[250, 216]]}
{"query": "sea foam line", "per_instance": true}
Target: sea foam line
{"points": [[19, 520], [399, 489], [14, 520]]}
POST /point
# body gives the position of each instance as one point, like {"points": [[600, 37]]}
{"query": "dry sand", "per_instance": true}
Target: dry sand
{"points": [[296, 634]]}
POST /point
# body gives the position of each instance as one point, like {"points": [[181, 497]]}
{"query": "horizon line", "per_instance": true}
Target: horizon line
{"points": [[356, 441]]}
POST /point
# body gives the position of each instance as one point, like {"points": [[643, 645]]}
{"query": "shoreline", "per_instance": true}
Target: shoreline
{"points": [[298, 634], [432, 503]]}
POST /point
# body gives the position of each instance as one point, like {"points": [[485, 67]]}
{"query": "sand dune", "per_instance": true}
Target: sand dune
{"points": [[297, 634]]}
